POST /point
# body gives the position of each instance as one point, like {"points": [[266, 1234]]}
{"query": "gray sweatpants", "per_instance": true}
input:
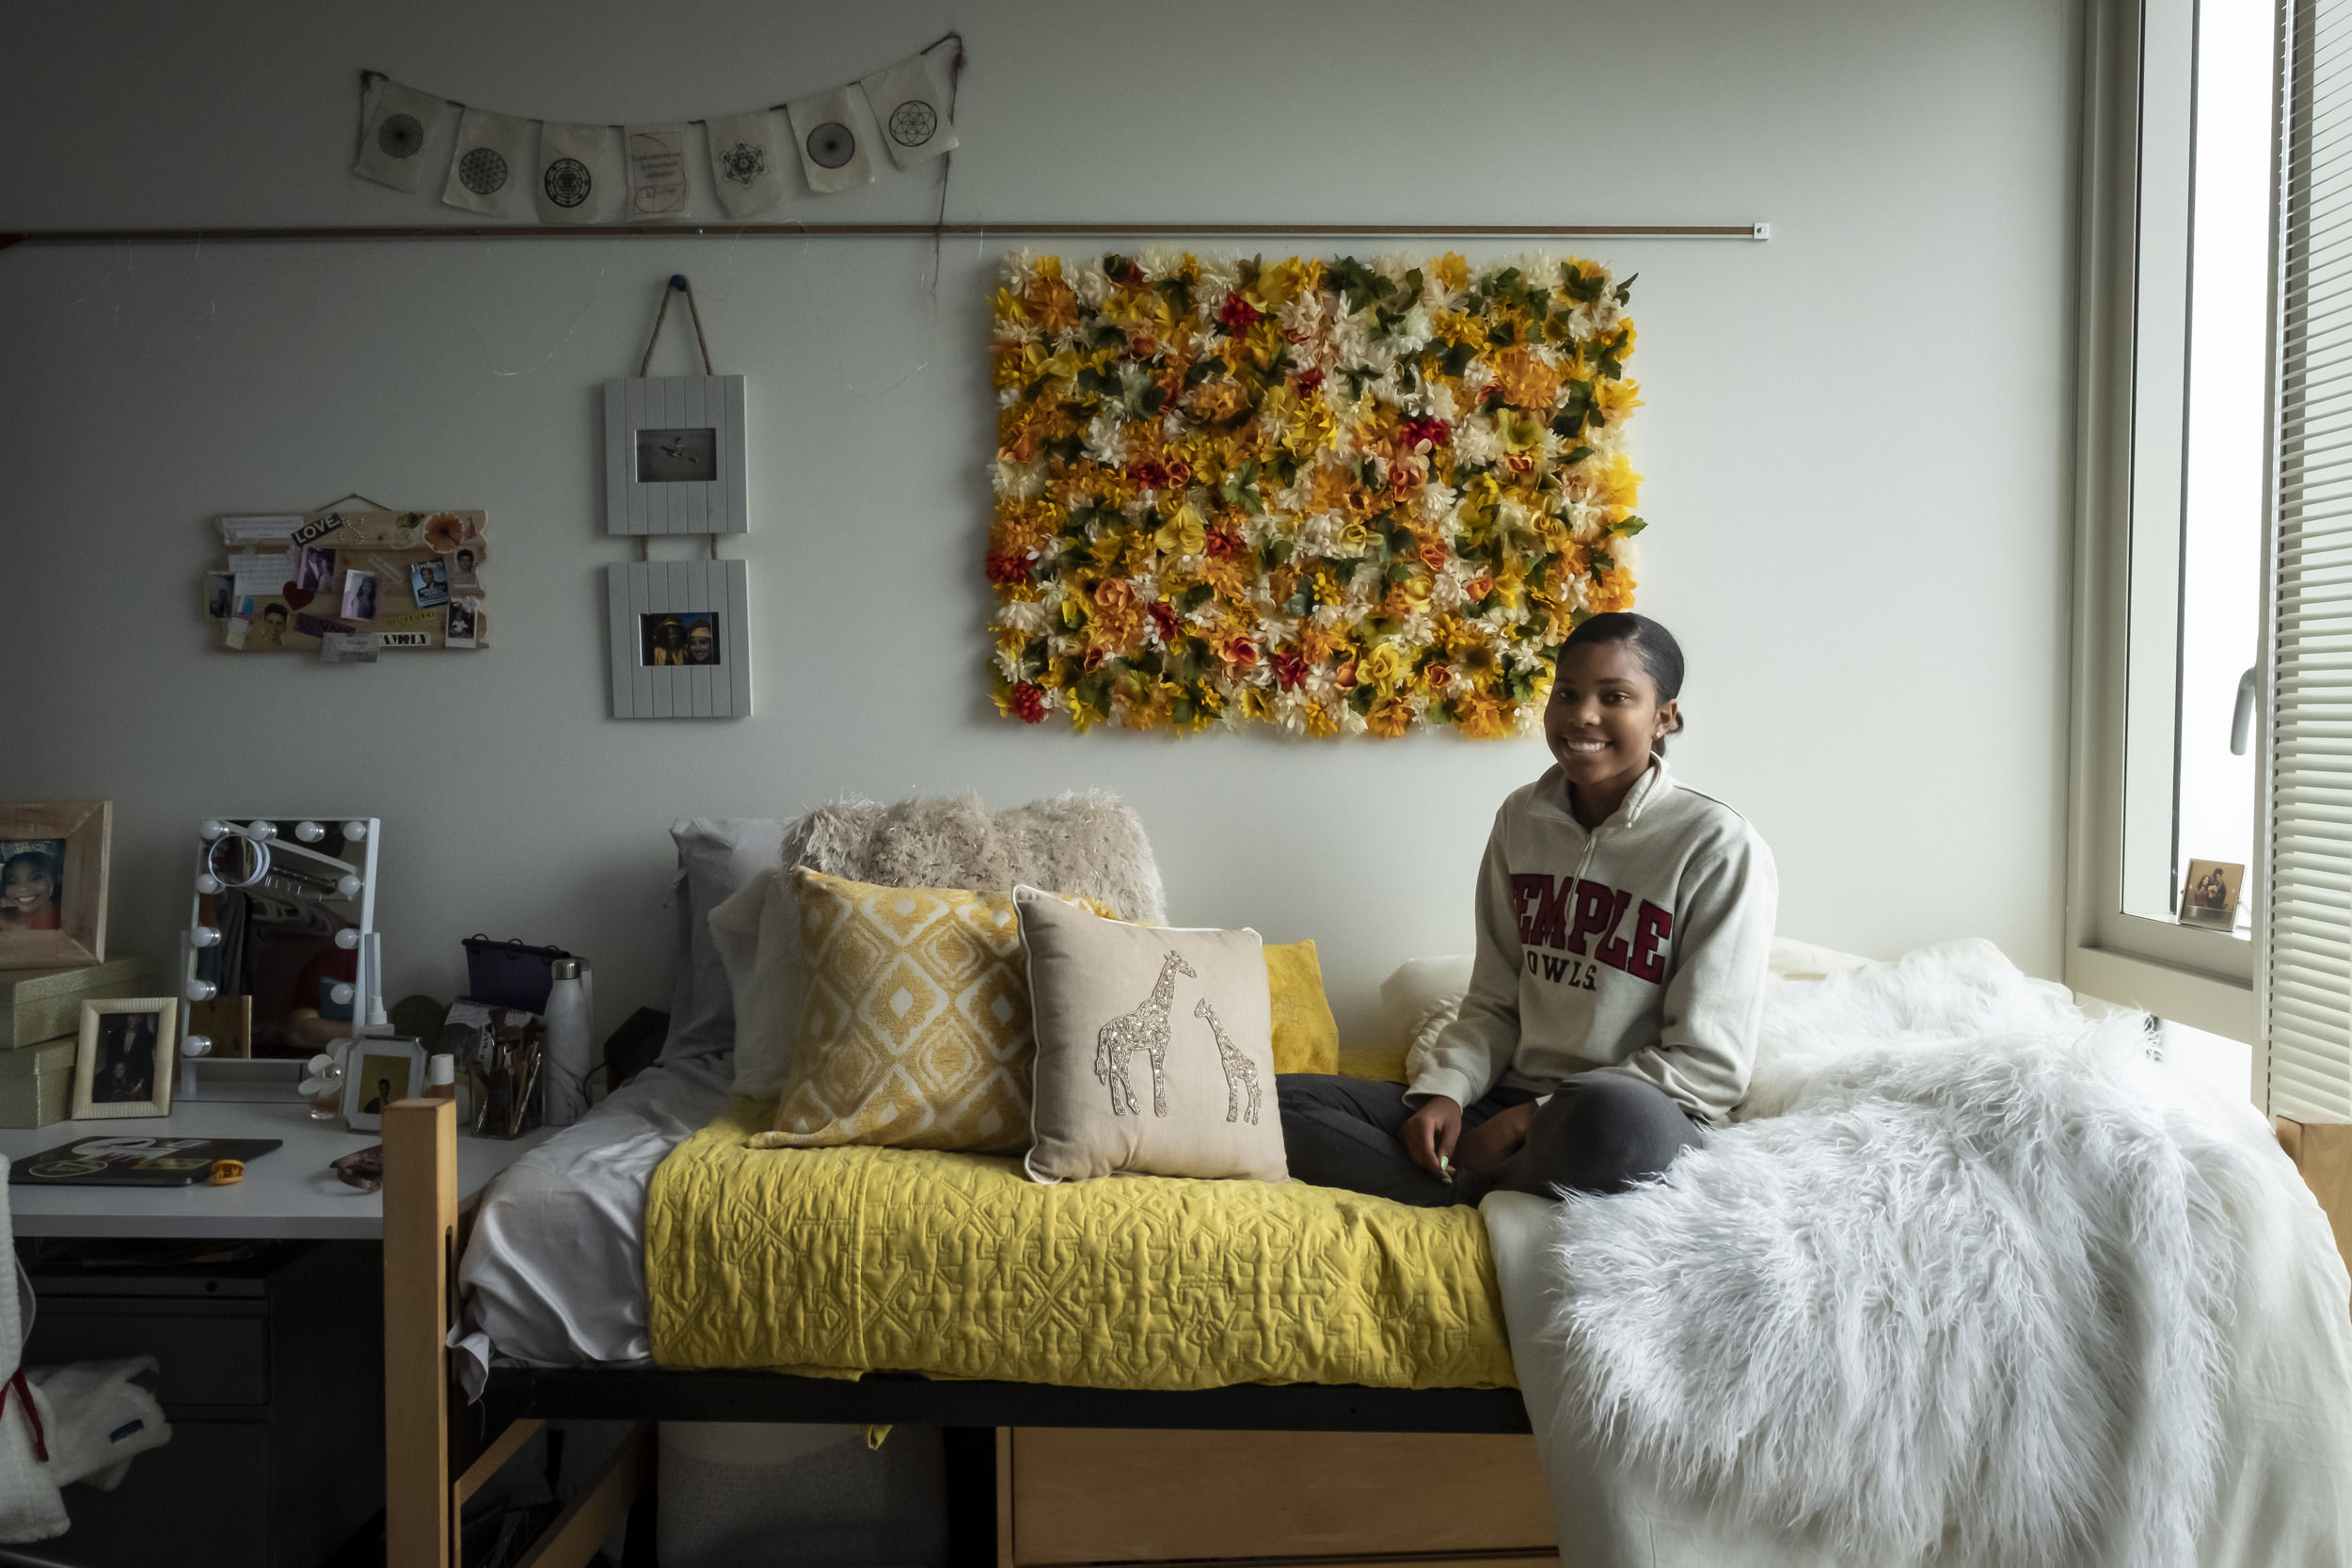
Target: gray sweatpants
{"points": [[1598, 1132]]}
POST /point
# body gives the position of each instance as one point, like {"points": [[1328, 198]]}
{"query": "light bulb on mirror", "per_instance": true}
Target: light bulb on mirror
{"points": [[206, 883], [197, 1045], [355, 829], [349, 886], [340, 994], [310, 833], [259, 828], [205, 936], [212, 828], [201, 991], [347, 939]]}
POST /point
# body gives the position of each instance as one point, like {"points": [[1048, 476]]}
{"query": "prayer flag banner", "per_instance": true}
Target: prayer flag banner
{"points": [[747, 160], [833, 153], [492, 158], [396, 124], [578, 165], [909, 104], [661, 175]]}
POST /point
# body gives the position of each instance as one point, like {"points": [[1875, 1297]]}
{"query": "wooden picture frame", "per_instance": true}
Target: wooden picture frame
{"points": [[673, 460], [709, 600], [118, 1073], [369, 1080], [76, 840]]}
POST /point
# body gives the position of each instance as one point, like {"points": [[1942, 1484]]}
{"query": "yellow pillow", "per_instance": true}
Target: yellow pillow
{"points": [[1306, 1036], [914, 1027]]}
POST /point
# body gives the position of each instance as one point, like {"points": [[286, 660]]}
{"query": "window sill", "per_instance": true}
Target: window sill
{"points": [[2219, 1005]]}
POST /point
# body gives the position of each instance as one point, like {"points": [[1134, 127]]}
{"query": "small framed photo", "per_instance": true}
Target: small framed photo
{"points": [[53, 860], [375, 1073], [678, 642], [2209, 893], [673, 460], [122, 1067]]}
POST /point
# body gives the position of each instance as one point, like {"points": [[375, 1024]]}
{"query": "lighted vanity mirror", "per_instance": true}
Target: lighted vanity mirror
{"points": [[275, 956]]}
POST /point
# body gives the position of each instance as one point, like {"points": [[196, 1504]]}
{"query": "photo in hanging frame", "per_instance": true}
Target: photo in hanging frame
{"points": [[673, 455], [677, 639]]}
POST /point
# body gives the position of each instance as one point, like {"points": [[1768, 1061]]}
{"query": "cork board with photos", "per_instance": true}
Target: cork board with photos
{"points": [[345, 584]]}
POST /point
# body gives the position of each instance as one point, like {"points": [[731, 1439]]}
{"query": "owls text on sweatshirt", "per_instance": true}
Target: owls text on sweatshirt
{"points": [[1639, 947]]}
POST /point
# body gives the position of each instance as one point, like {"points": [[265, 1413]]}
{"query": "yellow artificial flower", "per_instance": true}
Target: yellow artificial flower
{"points": [[1521, 432], [1382, 666], [1617, 484], [1451, 271], [1009, 306], [1452, 326], [1614, 399], [1388, 716], [1481, 715], [1185, 533]]}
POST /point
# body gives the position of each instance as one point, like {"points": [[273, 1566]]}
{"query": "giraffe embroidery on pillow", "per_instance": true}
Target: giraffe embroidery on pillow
{"points": [[1240, 1072], [1145, 1030]]}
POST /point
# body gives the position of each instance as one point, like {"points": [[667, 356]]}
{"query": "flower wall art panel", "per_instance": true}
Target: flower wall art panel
{"points": [[1336, 496]]}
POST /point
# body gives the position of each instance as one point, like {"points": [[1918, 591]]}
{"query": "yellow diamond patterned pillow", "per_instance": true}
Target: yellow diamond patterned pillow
{"points": [[914, 1025]]}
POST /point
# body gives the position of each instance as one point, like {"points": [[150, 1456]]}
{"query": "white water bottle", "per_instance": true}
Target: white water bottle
{"points": [[564, 1075]]}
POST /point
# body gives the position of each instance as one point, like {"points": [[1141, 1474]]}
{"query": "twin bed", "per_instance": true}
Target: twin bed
{"points": [[647, 1266]]}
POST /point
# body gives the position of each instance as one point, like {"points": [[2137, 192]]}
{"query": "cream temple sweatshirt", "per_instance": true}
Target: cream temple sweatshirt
{"points": [[1639, 947]]}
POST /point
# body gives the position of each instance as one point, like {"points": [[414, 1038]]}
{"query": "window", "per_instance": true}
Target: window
{"points": [[2168, 882]]}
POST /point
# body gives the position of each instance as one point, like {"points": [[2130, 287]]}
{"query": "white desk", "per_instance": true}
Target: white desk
{"points": [[288, 1192]]}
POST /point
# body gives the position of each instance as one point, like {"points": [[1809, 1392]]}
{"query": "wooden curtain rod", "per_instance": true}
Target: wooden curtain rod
{"points": [[898, 230]]}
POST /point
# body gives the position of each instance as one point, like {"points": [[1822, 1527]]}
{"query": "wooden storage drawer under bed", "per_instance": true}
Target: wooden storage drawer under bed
{"points": [[1070, 1496]]}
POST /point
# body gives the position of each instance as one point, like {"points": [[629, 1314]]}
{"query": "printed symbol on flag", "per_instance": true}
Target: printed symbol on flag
{"points": [[831, 145], [743, 164], [567, 182], [482, 171], [400, 136], [914, 122]]}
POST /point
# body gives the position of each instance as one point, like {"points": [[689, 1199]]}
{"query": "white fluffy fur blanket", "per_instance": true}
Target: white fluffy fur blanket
{"points": [[1960, 1284]]}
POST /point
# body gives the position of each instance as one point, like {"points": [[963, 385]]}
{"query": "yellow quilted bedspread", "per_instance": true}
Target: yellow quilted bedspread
{"points": [[844, 1260]]}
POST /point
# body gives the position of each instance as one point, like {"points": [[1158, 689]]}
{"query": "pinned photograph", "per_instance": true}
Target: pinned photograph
{"points": [[314, 567], [239, 627], [428, 583], [32, 884], [460, 563], [465, 619], [382, 1071], [677, 456], [267, 633], [358, 595], [122, 1067], [680, 637], [2209, 893], [221, 589]]}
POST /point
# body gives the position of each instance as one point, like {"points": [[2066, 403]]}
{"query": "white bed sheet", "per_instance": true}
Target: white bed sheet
{"points": [[554, 1274], [2285, 1494]]}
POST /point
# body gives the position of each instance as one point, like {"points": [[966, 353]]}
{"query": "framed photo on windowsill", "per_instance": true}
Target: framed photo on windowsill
{"points": [[54, 857]]}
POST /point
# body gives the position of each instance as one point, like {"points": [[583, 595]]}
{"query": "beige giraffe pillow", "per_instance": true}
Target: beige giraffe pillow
{"points": [[914, 1026], [1154, 1049]]}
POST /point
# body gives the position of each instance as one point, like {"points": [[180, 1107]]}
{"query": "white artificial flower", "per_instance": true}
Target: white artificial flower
{"points": [[1160, 260], [1105, 440], [1319, 533], [1626, 551], [1091, 285], [1442, 401], [1290, 711], [1009, 664], [1476, 440], [1219, 277], [1021, 270], [1021, 480], [1351, 339], [1411, 333], [1478, 376], [1007, 396], [1527, 719]]}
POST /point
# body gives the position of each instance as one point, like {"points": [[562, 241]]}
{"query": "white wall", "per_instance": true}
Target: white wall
{"points": [[1856, 439]]}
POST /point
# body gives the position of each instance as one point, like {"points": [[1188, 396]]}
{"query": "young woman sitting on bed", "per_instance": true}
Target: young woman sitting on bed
{"points": [[1624, 926]]}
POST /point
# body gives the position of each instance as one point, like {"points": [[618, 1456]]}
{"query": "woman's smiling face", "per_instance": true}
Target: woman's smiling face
{"points": [[1604, 717], [25, 887]]}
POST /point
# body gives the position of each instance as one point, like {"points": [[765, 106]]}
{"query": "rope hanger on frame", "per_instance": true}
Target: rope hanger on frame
{"points": [[676, 285]]}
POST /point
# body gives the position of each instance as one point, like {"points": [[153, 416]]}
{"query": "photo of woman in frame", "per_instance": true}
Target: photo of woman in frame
{"points": [[32, 884]]}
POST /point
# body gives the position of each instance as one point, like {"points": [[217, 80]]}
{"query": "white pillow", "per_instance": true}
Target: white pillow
{"points": [[716, 855], [757, 935], [1420, 999]]}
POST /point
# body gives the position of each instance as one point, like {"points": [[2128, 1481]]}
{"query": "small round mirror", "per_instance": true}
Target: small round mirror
{"points": [[235, 860]]}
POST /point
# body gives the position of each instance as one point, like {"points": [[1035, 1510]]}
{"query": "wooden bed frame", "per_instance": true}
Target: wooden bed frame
{"points": [[436, 1461]]}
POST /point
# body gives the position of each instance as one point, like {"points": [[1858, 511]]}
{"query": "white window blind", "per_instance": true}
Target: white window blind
{"points": [[2309, 978]]}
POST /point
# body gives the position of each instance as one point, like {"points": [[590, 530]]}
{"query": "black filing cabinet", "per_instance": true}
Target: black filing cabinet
{"points": [[272, 1376]]}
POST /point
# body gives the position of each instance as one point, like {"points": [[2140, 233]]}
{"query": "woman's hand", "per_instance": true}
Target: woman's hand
{"points": [[1497, 1138], [1429, 1134]]}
